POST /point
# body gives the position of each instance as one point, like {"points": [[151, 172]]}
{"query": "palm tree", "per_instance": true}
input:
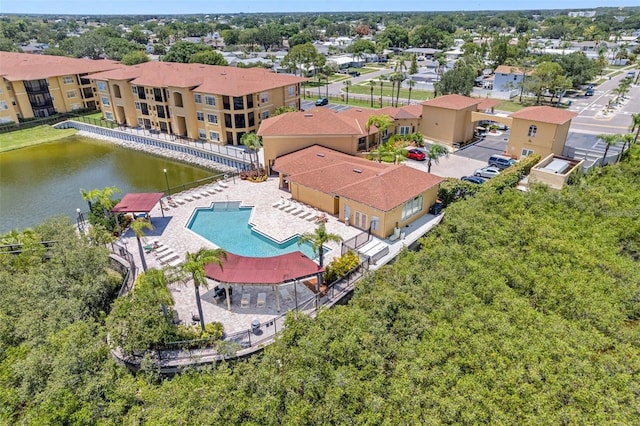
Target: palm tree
{"points": [[434, 153], [635, 125], [381, 87], [609, 140], [627, 138], [397, 78], [317, 239], [194, 265], [252, 142], [382, 123], [410, 83], [347, 84], [138, 226], [371, 84]]}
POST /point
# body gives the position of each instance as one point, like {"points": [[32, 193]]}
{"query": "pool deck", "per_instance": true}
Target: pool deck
{"points": [[278, 224]]}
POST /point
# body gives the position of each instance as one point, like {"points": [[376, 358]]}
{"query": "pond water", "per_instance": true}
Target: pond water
{"points": [[45, 180]]}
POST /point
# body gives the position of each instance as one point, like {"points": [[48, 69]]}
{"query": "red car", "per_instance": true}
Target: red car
{"points": [[416, 154]]}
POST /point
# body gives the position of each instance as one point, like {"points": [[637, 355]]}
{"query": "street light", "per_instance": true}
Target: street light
{"points": [[166, 178], [80, 220]]}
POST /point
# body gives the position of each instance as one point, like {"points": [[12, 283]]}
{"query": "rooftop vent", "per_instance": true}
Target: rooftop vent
{"points": [[357, 170], [320, 154], [308, 115], [359, 110]]}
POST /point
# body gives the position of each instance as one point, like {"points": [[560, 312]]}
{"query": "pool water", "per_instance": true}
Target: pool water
{"points": [[227, 226]]}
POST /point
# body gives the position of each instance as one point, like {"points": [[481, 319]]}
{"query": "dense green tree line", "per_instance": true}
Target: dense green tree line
{"points": [[520, 308]]}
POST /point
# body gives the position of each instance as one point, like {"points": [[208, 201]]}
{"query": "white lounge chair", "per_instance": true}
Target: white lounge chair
{"points": [[223, 184], [177, 261], [284, 205], [278, 203], [262, 300], [188, 197], [195, 195], [246, 300], [285, 295], [297, 211], [291, 208], [162, 251], [169, 257], [180, 201]]}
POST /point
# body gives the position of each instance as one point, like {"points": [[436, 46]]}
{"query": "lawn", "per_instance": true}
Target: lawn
{"points": [[364, 70], [365, 89], [509, 106], [34, 136]]}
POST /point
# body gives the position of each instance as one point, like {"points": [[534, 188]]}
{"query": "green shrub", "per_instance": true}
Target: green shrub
{"points": [[340, 266], [452, 190]]}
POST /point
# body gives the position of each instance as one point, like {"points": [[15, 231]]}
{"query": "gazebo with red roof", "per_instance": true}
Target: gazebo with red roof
{"points": [[142, 202], [264, 271]]}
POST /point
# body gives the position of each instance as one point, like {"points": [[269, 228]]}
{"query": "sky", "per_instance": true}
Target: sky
{"points": [[174, 7]]}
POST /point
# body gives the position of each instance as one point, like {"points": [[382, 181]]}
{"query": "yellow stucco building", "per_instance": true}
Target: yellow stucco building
{"points": [[36, 86], [447, 119], [375, 197], [214, 103], [540, 129]]}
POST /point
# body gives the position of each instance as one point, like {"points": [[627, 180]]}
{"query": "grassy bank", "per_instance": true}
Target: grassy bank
{"points": [[34, 136]]}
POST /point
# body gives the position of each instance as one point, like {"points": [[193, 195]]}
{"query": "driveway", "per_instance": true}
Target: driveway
{"points": [[309, 105], [485, 148], [453, 166]]}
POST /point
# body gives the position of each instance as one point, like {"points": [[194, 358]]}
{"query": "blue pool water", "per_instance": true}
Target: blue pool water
{"points": [[227, 226]]}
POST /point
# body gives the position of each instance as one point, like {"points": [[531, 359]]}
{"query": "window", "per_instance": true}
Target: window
{"points": [[197, 98], [210, 100], [404, 130], [134, 90], [105, 101], [375, 223], [264, 97], [200, 115], [102, 86], [75, 106], [532, 131], [202, 134], [292, 91], [239, 121], [108, 116], [212, 118], [67, 79], [137, 105], [252, 120], [140, 122], [526, 152], [264, 115], [72, 94], [412, 207], [214, 136], [3, 105], [0, 90], [238, 102]]}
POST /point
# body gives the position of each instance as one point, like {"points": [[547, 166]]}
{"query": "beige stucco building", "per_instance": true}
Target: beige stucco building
{"points": [[36, 86], [211, 103], [447, 119], [540, 129], [375, 197]]}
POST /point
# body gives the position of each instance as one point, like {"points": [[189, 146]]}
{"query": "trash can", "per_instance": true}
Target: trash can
{"points": [[436, 209], [255, 326]]}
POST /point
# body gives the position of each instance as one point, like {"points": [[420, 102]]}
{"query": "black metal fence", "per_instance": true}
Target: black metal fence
{"points": [[354, 242]]}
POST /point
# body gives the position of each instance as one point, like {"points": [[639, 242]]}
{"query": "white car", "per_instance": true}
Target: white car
{"points": [[487, 172]]}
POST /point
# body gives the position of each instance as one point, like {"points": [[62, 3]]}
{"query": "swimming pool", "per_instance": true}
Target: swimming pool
{"points": [[226, 224]]}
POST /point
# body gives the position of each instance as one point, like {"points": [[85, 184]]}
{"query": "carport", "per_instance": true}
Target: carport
{"points": [[142, 202]]}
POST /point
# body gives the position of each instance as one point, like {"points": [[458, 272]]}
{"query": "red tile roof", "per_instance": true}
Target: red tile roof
{"points": [[487, 103], [545, 114], [379, 185], [212, 79], [410, 111], [456, 102], [318, 121], [23, 66]]}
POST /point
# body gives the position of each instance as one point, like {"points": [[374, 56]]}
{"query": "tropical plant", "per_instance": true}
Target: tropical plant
{"points": [[609, 140], [410, 83], [252, 142], [635, 125], [434, 153], [317, 239], [371, 84], [194, 265], [347, 84], [138, 227], [382, 122]]}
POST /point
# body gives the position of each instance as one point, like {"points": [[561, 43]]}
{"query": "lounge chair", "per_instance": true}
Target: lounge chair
{"points": [[177, 261], [162, 250], [262, 300], [285, 295], [222, 184], [284, 205], [278, 203], [194, 195], [188, 197], [212, 190], [291, 208], [169, 257], [180, 201], [246, 300]]}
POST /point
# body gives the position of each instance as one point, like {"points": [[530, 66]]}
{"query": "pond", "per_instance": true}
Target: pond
{"points": [[45, 180]]}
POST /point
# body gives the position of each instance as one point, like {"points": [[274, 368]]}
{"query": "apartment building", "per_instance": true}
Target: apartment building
{"points": [[204, 102], [41, 85]]}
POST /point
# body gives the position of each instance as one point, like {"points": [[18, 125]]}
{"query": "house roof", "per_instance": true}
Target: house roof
{"points": [[378, 185], [488, 103], [317, 121], [202, 78], [544, 114], [456, 102], [23, 66], [410, 111], [506, 69]]}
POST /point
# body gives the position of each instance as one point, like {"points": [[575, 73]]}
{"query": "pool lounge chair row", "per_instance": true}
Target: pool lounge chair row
{"points": [[167, 256], [297, 209]]}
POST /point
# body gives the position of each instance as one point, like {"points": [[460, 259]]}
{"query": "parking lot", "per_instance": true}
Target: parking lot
{"points": [[492, 143], [310, 104]]}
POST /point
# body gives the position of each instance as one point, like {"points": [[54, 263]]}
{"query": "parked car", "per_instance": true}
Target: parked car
{"points": [[416, 154], [473, 179], [322, 101], [487, 172], [501, 161], [588, 92], [354, 74], [498, 126]]}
